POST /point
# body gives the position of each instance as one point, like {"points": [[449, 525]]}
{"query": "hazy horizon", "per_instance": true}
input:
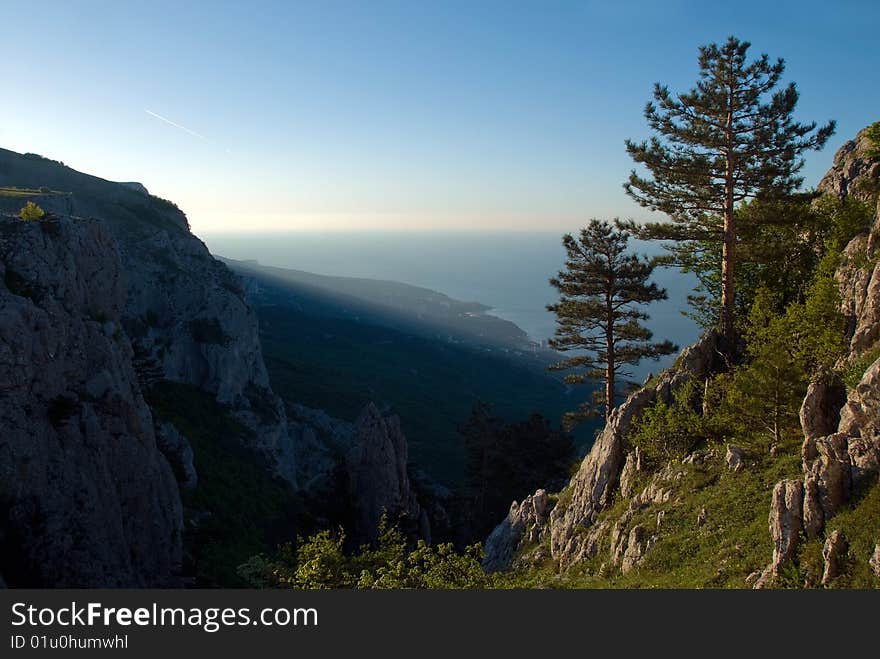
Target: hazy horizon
{"points": [[396, 116]]}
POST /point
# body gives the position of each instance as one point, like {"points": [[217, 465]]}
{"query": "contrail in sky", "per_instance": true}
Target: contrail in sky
{"points": [[171, 123]]}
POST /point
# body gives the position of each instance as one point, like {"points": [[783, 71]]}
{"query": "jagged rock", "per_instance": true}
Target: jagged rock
{"points": [[860, 421], [827, 464], [522, 526], [619, 537], [850, 169], [874, 562], [630, 472], [376, 465], [855, 175], [653, 494], [734, 457], [660, 517], [820, 411], [835, 547], [321, 442], [786, 515], [177, 450], [814, 516], [752, 578], [596, 481], [637, 545], [88, 498]]}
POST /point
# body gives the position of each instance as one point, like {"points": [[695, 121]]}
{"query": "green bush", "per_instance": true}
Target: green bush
{"points": [[321, 562], [671, 431], [31, 211]]}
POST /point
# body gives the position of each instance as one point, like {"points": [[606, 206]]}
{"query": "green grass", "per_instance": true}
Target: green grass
{"points": [[733, 542], [854, 372], [860, 524], [238, 510]]}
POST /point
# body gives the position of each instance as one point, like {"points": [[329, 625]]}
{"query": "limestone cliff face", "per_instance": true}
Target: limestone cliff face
{"points": [[184, 311], [594, 487], [86, 497]]}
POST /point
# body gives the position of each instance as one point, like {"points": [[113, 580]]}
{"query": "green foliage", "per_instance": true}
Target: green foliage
{"points": [[859, 522], [856, 369], [31, 212], [728, 140], [785, 351], [671, 431], [321, 562], [237, 510], [503, 461], [842, 220], [873, 151], [598, 316]]}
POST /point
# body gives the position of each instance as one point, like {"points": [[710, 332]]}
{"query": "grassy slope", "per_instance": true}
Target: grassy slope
{"points": [[732, 543]]}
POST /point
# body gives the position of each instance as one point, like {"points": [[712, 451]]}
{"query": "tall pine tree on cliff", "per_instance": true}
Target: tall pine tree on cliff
{"points": [[729, 139], [598, 315]]}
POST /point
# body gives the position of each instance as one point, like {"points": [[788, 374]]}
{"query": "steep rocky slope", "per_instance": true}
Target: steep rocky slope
{"points": [[86, 496], [703, 520], [184, 311]]}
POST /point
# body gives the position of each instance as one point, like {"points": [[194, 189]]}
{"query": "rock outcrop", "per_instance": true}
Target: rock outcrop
{"points": [[378, 481], [609, 470], [786, 524], [832, 554], [841, 429], [594, 485], [522, 526], [87, 499]]}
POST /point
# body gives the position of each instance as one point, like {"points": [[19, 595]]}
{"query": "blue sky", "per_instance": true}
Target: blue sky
{"points": [[410, 115]]}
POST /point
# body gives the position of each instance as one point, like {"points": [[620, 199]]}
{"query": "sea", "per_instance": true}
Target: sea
{"points": [[507, 271]]}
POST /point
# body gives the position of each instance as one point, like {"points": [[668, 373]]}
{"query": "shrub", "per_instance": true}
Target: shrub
{"points": [[671, 431], [31, 211]]}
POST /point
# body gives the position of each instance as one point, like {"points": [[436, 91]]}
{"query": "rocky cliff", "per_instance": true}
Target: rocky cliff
{"points": [[86, 497], [184, 311], [841, 448]]}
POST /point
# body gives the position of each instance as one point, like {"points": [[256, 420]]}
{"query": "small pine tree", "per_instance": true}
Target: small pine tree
{"points": [[597, 315], [31, 212]]}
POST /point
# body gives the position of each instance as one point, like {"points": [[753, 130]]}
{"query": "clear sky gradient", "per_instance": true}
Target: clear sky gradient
{"points": [[410, 115]]}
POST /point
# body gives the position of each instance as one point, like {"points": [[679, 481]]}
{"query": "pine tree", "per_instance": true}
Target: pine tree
{"points": [[597, 313], [729, 139]]}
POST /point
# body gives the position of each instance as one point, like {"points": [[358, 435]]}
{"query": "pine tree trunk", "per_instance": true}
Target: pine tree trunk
{"points": [[609, 372], [728, 250]]}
